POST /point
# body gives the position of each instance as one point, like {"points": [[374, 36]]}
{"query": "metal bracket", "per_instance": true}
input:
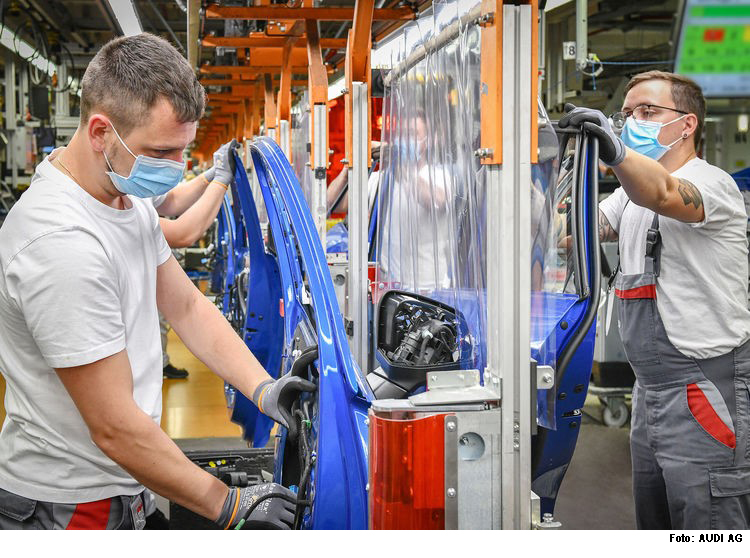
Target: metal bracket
{"points": [[545, 377], [451, 471], [456, 387], [547, 523], [486, 20]]}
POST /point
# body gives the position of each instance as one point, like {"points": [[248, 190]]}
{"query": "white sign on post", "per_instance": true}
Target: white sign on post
{"points": [[569, 50]]}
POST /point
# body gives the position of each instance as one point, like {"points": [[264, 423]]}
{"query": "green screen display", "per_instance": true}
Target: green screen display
{"points": [[714, 47]]}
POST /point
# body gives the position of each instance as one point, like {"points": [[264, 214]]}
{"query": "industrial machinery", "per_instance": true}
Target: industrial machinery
{"points": [[482, 309]]}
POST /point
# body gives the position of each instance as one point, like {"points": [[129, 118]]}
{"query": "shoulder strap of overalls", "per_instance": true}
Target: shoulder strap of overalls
{"points": [[616, 270], [653, 248]]}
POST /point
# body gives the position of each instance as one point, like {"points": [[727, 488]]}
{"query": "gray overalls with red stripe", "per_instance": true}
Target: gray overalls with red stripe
{"points": [[691, 417], [118, 512]]}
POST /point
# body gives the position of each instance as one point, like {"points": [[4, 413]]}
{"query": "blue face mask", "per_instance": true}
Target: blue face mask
{"points": [[643, 136], [149, 176]]}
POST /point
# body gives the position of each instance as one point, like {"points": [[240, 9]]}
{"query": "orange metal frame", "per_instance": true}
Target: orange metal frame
{"points": [[286, 53], [280, 12], [491, 102], [261, 40], [357, 68]]}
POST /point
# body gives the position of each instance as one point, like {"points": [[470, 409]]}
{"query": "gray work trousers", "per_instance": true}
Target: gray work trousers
{"points": [[690, 435], [19, 513]]}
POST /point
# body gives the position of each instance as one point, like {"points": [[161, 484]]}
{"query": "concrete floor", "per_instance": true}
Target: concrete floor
{"points": [[597, 490]]}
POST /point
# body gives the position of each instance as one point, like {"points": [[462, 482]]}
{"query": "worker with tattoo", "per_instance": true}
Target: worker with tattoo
{"points": [[682, 305]]}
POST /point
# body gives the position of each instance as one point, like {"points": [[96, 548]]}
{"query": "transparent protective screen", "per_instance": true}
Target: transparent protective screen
{"points": [[432, 227], [432, 220]]}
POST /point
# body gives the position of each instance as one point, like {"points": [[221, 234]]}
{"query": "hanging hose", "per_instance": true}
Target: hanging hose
{"points": [[595, 275]]}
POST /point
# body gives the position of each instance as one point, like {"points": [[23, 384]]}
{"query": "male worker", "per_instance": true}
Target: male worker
{"points": [[195, 204], [682, 288], [83, 265]]}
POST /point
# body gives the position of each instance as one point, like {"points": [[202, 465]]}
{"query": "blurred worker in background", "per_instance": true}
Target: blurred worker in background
{"points": [[683, 316], [416, 253], [83, 265]]}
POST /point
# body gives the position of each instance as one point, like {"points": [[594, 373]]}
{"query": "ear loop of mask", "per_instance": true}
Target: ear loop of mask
{"points": [[682, 136], [111, 168]]}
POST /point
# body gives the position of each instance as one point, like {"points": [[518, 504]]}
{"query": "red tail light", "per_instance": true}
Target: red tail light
{"points": [[407, 466]]}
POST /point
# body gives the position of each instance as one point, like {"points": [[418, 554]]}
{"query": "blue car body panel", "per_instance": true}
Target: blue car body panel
{"points": [[262, 325], [339, 432], [298, 274]]}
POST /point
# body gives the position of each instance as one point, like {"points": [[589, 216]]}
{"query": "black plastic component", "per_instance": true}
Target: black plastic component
{"points": [[238, 465], [416, 335]]}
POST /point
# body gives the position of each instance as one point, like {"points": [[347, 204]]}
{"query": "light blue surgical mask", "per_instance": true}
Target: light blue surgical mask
{"points": [[643, 136], [411, 149], [149, 176]]}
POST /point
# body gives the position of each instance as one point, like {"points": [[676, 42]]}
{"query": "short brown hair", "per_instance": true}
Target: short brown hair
{"points": [[130, 74], [686, 94]]}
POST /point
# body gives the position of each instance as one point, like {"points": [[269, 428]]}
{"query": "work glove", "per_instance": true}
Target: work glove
{"points": [[273, 507], [224, 163], [275, 398], [209, 174], [611, 147]]}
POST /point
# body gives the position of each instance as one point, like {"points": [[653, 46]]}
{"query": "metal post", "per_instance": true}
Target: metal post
{"points": [[582, 30], [62, 98], [358, 213], [193, 32], [508, 284], [248, 157], [318, 204], [542, 47], [10, 90], [561, 81], [285, 138], [10, 113]]}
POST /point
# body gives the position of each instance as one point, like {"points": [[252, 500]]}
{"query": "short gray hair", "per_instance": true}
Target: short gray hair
{"points": [[130, 74]]}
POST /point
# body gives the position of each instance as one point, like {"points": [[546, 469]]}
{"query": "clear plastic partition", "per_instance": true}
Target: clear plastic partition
{"points": [[432, 221], [432, 196], [300, 140]]}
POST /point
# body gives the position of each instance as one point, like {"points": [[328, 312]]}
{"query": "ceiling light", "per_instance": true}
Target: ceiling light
{"points": [[25, 51], [126, 17]]}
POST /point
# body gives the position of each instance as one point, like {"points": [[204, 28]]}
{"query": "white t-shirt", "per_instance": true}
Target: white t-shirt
{"points": [[415, 250], [156, 201], [77, 284], [701, 292]]}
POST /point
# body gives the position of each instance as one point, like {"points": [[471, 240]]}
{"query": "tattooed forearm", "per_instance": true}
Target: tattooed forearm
{"points": [[606, 232], [689, 193]]}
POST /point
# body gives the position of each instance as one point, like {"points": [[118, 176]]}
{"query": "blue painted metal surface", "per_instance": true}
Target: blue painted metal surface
{"points": [[339, 432], [262, 323], [337, 239], [552, 450]]}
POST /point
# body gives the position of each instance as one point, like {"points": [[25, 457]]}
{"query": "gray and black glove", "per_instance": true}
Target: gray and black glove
{"points": [[209, 174], [611, 147], [274, 398], [224, 163], [273, 507]]}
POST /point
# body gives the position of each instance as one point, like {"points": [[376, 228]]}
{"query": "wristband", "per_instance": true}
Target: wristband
{"points": [[225, 186], [260, 391]]}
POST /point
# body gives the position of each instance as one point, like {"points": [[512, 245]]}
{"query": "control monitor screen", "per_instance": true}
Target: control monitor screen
{"points": [[714, 46]]}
